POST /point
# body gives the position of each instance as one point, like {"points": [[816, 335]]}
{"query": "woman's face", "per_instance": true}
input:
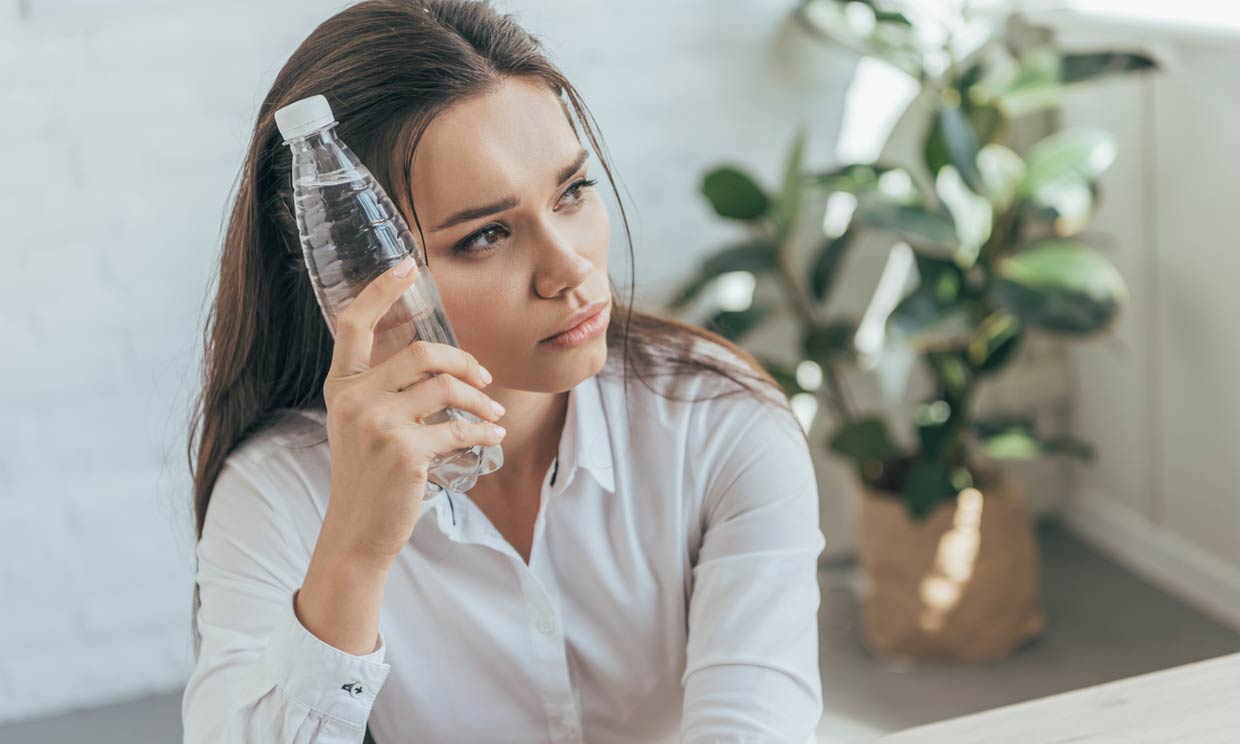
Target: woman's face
{"points": [[516, 237]]}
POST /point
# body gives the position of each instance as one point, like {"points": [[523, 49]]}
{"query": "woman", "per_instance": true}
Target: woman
{"points": [[642, 567]]}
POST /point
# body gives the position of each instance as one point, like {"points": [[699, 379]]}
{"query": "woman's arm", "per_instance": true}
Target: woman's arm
{"points": [[261, 675], [752, 657], [339, 599]]}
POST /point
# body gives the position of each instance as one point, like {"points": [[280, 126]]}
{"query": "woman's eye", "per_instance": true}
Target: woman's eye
{"points": [[481, 241], [486, 239], [577, 187]]}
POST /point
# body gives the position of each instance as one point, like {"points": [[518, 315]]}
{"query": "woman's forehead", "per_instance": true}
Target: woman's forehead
{"points": [[493, 145]]}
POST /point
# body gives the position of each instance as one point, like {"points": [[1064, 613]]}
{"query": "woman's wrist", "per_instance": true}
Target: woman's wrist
{"points": [[355, 551], [340, 599]]}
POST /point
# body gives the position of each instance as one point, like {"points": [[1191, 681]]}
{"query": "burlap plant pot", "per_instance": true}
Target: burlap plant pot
{"points": [[961, 586]]}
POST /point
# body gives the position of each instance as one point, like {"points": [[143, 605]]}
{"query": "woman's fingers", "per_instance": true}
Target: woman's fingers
{"points": [[355, 326], [422, 359], [455, 434], [445, 391]]}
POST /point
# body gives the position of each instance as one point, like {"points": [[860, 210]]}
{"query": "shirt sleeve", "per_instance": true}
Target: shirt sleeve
{"points": [[752, 659], [261, 676]]}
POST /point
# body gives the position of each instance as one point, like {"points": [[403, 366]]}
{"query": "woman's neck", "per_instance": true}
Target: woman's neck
{"points": [[535, 423]]}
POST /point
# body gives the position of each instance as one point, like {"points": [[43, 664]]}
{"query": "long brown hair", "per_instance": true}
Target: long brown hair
{"points": [[387, 67]]}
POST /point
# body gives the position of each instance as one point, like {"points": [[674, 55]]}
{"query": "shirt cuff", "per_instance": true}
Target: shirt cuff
{"points": [[322, 677]]}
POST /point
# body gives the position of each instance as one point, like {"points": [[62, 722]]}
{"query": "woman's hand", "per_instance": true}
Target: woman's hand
{"points": [[380, 454]]}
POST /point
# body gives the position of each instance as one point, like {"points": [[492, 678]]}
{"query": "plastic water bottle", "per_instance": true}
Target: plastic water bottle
{"points": [[350, 234]]}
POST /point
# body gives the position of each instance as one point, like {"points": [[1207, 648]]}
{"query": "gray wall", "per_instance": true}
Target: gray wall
{"points": [[1159, 398]]}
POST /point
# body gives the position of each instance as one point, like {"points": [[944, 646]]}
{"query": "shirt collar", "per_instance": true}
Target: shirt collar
{"points": [[586, 441]]}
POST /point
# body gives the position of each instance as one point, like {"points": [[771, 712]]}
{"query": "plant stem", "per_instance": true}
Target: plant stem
{"points": [[837, 399], [800, 298]]}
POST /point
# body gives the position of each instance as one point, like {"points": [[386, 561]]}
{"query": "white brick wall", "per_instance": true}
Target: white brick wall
{"points": [[122, 124], [110, 212]]}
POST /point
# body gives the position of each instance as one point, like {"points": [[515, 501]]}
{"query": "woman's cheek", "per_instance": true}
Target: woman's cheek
{"points": [[480, 310], [600, 231], [460, 302]]}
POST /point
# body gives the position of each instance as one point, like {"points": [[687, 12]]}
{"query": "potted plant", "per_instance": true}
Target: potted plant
{"points": [[947, 551], [770, 219]]}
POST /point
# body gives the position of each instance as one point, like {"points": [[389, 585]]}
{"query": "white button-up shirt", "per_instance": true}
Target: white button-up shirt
{"points": [[670, 594]]}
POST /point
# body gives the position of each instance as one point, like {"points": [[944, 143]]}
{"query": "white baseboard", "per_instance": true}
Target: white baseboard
{"points": [[1159, 556]]}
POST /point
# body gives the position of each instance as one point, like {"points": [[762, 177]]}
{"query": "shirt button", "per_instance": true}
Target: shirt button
{"points": [[547, 627]]}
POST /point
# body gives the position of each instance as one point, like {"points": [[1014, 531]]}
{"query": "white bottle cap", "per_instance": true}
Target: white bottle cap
{"points": [[300, 118]]}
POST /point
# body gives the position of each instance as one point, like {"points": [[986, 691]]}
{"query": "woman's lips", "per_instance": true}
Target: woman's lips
{"points": [[590, 310], [586, 329]]}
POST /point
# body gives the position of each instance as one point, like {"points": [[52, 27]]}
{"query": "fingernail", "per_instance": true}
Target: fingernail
{"points": [[486, 375], [403, 268], [499, 429], [495, 406]]}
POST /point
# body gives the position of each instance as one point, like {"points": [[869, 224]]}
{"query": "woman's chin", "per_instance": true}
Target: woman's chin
{"points": [[561, 370]]}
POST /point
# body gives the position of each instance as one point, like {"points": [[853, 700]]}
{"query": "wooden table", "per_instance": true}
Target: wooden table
{"points": [[1197, 703]]}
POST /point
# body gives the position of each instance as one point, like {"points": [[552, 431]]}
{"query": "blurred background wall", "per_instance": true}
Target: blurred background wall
{"points": [[1159, 397]]}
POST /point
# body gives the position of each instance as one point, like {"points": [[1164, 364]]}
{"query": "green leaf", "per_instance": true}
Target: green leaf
{"points": [[831, 343], [960, 139], [886, 16], [927, 484], [917, 224], [972, 75], [934, 427], [972, 214], [994, 72], [934, 439], [1002, 173], [1013, 437], [1007, 437], [735, 324], [869, 32], [1011, 445], [986, 122], [1060, 286], [944, 277], [1062, 176], [1080, 154], [853, 178], [996, 342], [891, 16], [1075, 68], [997, 423], [936, 314], [785, 375], [735, 195], [961, 478], [1066, 205], [1068, 446], [1037, 85], [952, 372], [864, 439], [789, 205], [926, 324], [757, 256], [1046, 74], [826, 264]]}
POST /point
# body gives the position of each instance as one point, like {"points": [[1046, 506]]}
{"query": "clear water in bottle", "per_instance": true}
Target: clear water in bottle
{"points": [[350, 234]]}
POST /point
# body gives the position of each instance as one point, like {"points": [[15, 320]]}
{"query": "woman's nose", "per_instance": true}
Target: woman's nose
{"points": [[561, 264]]}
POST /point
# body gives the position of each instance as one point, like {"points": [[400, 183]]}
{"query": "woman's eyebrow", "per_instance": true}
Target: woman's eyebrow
{"points": [[508, 202]]}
